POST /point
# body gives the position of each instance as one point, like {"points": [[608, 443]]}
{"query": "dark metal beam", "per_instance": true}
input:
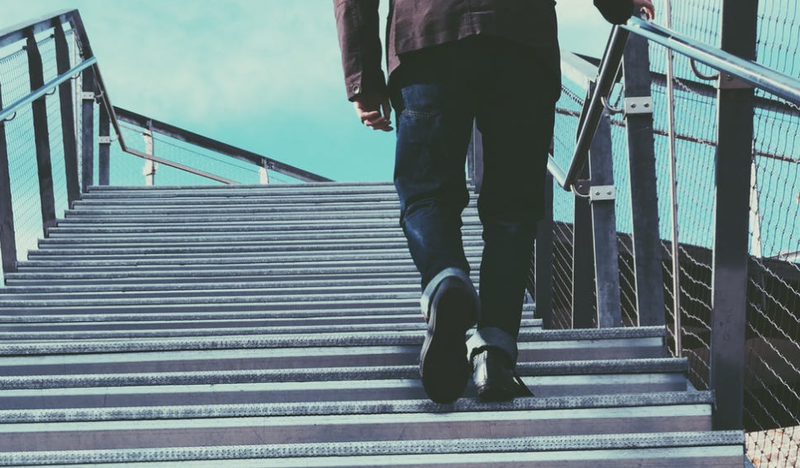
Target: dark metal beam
{"points": [[731, 232], [604, 228], [87, 129], [582, 262], [104, 147], [543, 259], [18, 32], [67, 116], [644, 191], [217, 146], [41, 135], [8, 240]]}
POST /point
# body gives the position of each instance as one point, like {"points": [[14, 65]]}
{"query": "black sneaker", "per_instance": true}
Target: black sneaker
{"points": [[452, 309], [494, 376]]}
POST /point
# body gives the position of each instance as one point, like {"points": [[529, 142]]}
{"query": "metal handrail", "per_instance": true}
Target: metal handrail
{"points": [[12, 108], [777, 83], [17, 33], [730, 66], [612, 60]]}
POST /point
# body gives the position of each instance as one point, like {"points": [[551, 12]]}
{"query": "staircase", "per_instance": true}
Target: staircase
{"points": [[279, 326]]}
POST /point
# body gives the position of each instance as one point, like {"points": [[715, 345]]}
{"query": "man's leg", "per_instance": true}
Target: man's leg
{"points": [[515, 117], [434, 120]]}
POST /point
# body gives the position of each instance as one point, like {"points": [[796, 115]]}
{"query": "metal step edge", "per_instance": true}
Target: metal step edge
{"points": [[407, 297], [463, 452], [661, 412], [322, 219], [399, 258], [59, 293], [319, 390], [9, 335], [352, 272], [230, 228], [222, 316], [67, 244], [223, 284], [261, 247], [299, 341], [376, 236], [524, 369], [351, 408]]}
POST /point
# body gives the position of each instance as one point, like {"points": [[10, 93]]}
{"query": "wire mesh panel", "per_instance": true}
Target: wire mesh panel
{"points": [[772, 393]]}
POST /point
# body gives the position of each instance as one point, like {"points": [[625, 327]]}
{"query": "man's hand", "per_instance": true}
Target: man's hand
{"points": [[374, 111], [646, 5]]}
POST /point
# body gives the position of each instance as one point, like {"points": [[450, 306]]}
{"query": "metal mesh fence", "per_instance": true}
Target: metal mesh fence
{"points": [[772, 400]]}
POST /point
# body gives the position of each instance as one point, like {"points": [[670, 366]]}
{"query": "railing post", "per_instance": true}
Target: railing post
{"points": [[87, 129], [647, 250], [582, 256], [67, 116], [475, 158], [543, 258], [104, 147], [602, 197], [731, 231], [41, 135], [149, 170], [8, 241], [263, 173]]}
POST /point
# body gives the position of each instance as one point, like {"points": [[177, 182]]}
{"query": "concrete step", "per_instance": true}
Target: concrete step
{"points": [[410, 420], [377, 218], [277, 238], [264, 246], [346, 408], [185, 329], [132, 314], [389, 348], [315, 286], [132, 390], [298, 263], [232, 250], [49, 376], [211, 272], [336, 229], [659, 450]]}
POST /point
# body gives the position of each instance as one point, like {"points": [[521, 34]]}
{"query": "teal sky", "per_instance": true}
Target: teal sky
{"points": [[264, 75]]}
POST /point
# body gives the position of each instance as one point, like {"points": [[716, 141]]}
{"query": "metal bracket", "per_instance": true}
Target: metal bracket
{"points": [[638, 105], [581, 188], [728, 81], [104, 140], [602, 193], [87, 96]]}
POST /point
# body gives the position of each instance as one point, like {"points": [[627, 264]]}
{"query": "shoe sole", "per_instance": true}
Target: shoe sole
{"points": [[444, 368]]}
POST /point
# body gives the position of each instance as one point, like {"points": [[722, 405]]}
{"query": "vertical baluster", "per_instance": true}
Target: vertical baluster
{"points": [[544, 258], [41, 135], [104, 146], [647, 250], [67, 115], [731, 231], [87, 129], [8, 240], [602, 197]]}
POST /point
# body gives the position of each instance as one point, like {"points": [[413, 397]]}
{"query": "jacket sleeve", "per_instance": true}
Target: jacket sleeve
{"points": [[615, 11], [358, 25]]}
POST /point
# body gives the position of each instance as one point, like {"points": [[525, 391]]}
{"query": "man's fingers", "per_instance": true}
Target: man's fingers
{"points": [[387, 110]]}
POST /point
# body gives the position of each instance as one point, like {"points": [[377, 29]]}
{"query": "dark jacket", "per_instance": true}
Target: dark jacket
{"points": [[417, 24]]}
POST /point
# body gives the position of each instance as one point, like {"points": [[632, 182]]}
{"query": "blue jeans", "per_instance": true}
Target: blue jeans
{"points": [[510, 91]]}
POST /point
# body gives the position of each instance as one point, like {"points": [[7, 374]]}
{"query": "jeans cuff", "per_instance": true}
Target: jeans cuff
{"points": [[492, 337]]}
